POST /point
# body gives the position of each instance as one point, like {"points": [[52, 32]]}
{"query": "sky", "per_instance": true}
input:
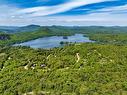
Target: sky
{"points": [[63, 12]]}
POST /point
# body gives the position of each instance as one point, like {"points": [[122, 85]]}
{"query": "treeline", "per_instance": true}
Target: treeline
{"points": [[118, 39]]}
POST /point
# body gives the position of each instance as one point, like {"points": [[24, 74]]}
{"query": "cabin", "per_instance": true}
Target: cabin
{"points": [[43, 65], [4, 37]]}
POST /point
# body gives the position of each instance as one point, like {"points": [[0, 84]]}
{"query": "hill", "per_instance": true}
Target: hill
{"points": [[15, 29], [28, 28], [80, 69]]}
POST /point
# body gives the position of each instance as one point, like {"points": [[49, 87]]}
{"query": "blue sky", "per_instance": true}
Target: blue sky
{"points": [[63, 12]]}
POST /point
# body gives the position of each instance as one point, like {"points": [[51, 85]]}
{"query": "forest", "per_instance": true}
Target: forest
{"points": [[77, 69]]}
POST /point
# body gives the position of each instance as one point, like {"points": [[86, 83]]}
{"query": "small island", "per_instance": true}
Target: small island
{"points": [[65, 37]]}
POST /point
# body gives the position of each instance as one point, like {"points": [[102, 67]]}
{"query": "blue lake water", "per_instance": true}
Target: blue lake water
{"points": [[54, 41]]}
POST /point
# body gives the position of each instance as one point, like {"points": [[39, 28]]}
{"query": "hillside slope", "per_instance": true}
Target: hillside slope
{"points": [[80, 69]]}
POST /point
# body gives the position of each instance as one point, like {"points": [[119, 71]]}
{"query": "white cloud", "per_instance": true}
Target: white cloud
{"points": [[8, 15], [84, 20], [114, 9], [7, 11], [49, 10]]}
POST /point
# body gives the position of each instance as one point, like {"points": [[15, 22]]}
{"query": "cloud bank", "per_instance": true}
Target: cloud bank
{"points": [[71, 12]]}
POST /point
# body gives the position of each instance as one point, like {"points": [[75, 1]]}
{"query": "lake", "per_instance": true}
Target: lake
{"points": [[54, 41]]}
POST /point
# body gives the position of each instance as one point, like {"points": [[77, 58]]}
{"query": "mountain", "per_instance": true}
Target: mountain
{"points": [[29, 28], [14, 29], [8, 29], [60, 29]]}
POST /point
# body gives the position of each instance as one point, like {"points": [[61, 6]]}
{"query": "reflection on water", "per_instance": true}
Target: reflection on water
{"points": [[54, 41]]}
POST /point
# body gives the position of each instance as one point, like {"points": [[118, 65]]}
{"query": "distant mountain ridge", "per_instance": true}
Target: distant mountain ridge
{"points": [[29, 28], [14, 29], [54, 28], [8, 29]]}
